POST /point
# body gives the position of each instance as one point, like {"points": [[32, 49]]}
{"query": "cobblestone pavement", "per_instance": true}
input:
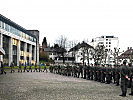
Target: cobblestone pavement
{"points": [[48, 86]]}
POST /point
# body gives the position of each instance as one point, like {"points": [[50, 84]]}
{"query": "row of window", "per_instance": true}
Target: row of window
{"points": [[16, 31]]}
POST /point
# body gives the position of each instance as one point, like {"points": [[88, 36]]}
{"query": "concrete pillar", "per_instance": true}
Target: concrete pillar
{"points": [[1, 45], [30, 51], [37, 59], [35, 54], [25, 52], [18, 53], [10, 51]]}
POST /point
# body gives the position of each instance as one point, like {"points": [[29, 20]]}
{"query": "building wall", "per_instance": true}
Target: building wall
{"points": [[36, 33], [15, 34]]}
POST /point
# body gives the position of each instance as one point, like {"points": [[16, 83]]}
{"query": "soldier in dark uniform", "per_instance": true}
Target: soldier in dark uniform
{"points": [[95, 72], [114, 74], [2, 68], [45, 68], [35, 68], [25, 67], [88, 72], [98, 73], [20, 67], [117, 75], [124, 79], [91, 72], [75, 70], [12, 66], [131, 79], [85, 70], [103, 74], [30, 67], [40, 68], [80, 71], [108, 73]]}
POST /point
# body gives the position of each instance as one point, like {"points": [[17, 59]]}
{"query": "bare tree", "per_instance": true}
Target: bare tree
{"points": [[62, 43]]}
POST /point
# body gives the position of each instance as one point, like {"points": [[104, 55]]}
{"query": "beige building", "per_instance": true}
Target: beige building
{"points": [[18, 43]]}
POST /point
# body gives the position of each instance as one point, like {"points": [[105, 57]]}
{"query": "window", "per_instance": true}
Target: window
{"points": [[106, 39], [106, 42], [109, 42], [109, 45]]}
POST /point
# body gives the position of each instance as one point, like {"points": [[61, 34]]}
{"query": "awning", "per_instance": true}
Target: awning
{"points": [[2, 51]]}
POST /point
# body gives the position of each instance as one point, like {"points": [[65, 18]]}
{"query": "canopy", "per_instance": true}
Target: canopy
{"points": [[2, 51]]}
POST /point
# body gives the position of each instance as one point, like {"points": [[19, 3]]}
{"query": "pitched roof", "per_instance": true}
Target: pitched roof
{"points": [[126, 54], [80, 45]]}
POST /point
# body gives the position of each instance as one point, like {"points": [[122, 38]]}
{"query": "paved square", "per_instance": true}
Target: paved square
{"points": [[49, 86]]}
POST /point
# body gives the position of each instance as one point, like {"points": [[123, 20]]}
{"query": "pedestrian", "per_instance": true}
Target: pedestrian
{"points": [[2, 68], [124, 79]]}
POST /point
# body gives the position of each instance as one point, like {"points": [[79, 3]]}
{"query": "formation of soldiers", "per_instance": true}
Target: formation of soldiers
{"points": [[25, 69], [101, 73]]}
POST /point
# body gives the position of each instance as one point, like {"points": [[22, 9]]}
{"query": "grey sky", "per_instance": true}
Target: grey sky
{"points": [[76, 19]]}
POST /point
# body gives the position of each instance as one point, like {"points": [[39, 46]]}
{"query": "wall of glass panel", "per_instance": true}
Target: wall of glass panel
{"points": [[16, 31]]}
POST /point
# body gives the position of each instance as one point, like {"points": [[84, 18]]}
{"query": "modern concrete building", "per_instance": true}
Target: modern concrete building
{"points": [[18, 43], [109, 42]]}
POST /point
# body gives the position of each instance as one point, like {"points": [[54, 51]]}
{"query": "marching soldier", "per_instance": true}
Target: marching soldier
{"points": [[25, 67], [12, 66], [40, 68], [124, 78], [30, 67], [80, 71], [2, 68], [45, 68], [88, 72], [35, 68], [20, 67]]}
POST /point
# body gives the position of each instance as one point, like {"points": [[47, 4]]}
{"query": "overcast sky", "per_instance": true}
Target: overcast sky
{"points": [[76, 19]]}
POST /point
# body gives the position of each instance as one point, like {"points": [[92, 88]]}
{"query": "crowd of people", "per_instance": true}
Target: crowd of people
{"points": [[101, 73]]}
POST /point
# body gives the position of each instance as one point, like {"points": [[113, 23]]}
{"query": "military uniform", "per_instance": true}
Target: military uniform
{"points": [[124, 80], [2, 68], [30, 67], [131, 80], [35, 68], [80, 71], [117, 75], [12, 66], [91, 72], [108, 75], [20, 67]]}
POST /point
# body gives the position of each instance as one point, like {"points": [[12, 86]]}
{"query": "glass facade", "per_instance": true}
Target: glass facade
{"points": [[17, 32]]}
